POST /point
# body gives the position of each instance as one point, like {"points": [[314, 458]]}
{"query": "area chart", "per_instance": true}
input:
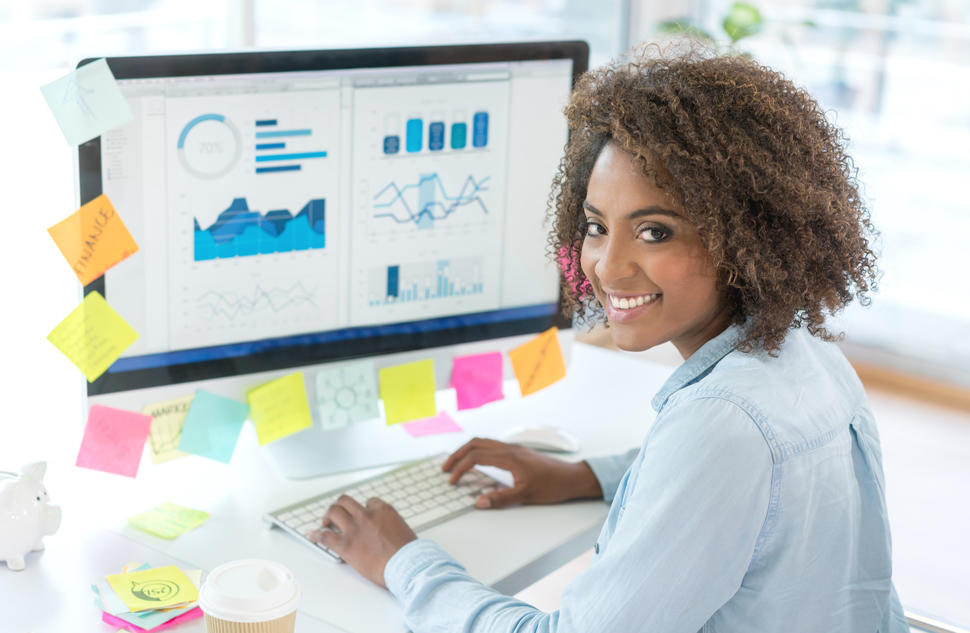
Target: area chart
{"points": [[240, 231]]}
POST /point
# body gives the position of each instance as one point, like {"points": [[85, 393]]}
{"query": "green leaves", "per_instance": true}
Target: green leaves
{"points": [[742, 21]]}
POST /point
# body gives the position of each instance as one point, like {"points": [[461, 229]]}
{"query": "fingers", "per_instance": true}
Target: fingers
{"points": [[327, 538], [501, 498], [485, 456], [477, 442], [337, 516]]}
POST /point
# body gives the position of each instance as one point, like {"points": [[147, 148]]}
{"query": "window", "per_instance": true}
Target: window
{"points": [[895, 76]]}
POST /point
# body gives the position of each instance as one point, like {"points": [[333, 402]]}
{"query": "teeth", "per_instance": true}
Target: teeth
{"points": [[625, 303]]}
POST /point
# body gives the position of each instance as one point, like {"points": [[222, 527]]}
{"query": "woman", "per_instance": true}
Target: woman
{"points": [[706, 201]]}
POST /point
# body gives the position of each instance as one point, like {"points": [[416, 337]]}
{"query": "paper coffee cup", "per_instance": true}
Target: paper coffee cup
{"points": [[250, 596]]}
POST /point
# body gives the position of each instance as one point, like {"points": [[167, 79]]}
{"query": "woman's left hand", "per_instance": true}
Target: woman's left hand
{"points": [[365, 536]]}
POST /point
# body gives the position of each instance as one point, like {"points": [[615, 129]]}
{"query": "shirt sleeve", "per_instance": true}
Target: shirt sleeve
{"points": [[610, 470], [684, 535]]}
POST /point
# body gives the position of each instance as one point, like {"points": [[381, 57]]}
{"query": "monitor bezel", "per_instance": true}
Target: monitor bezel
{"points": [[231, 63]]}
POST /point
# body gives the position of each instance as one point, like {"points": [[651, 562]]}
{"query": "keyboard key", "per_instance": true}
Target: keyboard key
{"points": [[420, 492]]}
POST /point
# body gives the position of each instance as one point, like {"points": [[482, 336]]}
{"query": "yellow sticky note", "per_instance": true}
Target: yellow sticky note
{"points": [[168, 520], [538, 363], [154, 588], [168, 417], [408, 391], [279, 408], [93, 239], [93, 336]]}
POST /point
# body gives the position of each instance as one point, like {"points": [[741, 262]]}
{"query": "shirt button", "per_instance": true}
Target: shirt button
{"points": [[596, 548]]}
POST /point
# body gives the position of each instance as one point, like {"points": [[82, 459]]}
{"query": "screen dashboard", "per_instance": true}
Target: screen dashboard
{"points": [[358, 203]]}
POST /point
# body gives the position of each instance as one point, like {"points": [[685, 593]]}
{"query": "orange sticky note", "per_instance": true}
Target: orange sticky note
{"points": [[93, 239], [538, 363]]}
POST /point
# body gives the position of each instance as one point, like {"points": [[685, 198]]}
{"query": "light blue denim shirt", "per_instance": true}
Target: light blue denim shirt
{"points": [[754, 504]]}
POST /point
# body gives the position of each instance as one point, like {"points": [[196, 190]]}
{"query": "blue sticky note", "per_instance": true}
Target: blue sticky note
{"points": [[212, 426], [87, 102]]}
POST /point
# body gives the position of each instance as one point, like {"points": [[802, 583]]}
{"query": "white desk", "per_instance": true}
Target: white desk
{"points": [[508, 549]]}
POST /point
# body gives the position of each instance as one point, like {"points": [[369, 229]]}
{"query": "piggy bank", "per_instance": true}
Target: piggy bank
{"points": [[26, 516]]}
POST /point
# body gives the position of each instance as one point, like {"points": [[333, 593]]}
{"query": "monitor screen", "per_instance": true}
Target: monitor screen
{"points": [[300, 207]]}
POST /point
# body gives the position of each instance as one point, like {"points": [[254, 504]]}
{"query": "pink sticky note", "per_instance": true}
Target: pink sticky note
{"points": [[477, 379], [191, 614], [113, 440], [441, 423]]}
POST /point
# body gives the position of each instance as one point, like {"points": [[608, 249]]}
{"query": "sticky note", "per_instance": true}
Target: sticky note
{"points": [[539, 362], [153, 588], [441, 423], [477, 379], [347, 394], [113, 440], [168, 520], [124, 620], [87, 102], [167, 420], [408, 391], [212, 426], [280, 408], [106, 597], [93, 336], [93, 239]]}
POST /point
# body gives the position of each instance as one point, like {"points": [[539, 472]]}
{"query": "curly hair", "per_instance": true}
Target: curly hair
{"points": [[757, 168]]}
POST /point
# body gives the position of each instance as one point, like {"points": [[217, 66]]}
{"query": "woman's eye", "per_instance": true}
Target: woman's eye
{"points": [[593, 229], [653, 234]]}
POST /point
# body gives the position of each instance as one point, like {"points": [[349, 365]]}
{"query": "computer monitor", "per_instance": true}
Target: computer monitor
{"points": [[298, 208]]}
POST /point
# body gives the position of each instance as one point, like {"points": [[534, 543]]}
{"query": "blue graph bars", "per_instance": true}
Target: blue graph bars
{"points": [[426, 281], [263, 133], [415, 134], [433, 201], [240, 232], [414, 141], [480, 129]]}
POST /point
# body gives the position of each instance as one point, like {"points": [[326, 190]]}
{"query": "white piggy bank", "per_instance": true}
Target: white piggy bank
{"points": [[25, 514]]}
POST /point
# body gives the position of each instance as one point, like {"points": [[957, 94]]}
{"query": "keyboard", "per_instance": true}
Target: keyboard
{"points": [[419, 491]]}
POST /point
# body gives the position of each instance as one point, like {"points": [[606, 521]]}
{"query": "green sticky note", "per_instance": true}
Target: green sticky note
{"points": [[408, 391], [279, 408], [168, 520]]}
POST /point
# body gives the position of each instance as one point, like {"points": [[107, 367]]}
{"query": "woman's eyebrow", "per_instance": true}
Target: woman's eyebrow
{"points": [[639, 213]]}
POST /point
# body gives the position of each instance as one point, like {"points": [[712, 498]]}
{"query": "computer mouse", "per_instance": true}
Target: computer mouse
{"points": [[543, 438]]}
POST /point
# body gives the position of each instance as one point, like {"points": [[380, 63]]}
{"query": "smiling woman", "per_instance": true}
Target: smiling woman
{"points": [[749, 163], [702, 200], [646, 262]]}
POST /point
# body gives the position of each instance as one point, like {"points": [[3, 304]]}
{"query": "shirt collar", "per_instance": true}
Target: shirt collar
{"points": [[698, 364]]}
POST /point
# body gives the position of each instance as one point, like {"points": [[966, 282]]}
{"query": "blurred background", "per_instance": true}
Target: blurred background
{"points": [[894, 74]]}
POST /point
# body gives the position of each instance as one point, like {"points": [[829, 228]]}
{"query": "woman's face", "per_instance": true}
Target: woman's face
{"points": [[646, 263]]}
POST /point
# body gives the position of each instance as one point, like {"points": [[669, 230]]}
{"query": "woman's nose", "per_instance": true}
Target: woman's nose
{"points": [[615, 262]]}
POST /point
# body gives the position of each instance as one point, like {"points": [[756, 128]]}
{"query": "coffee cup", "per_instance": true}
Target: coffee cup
{"points": [[250, 596]]}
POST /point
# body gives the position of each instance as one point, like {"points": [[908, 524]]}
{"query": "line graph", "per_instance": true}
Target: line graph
{"points": [[429, 200], [229, 305]]}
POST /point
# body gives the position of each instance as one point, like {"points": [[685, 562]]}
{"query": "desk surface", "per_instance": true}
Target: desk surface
{"points": [[508, 549]]}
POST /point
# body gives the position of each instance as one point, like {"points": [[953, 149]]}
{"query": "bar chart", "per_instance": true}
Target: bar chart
{"points": [[239, 231], [436, 129], [271, 138], [425, 281]]}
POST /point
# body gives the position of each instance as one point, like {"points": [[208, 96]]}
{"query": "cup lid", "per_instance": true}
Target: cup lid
{"points": [[249, 590]]}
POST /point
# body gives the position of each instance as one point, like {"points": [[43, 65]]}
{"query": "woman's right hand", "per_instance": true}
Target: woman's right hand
{"points": [[538, 478]]}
